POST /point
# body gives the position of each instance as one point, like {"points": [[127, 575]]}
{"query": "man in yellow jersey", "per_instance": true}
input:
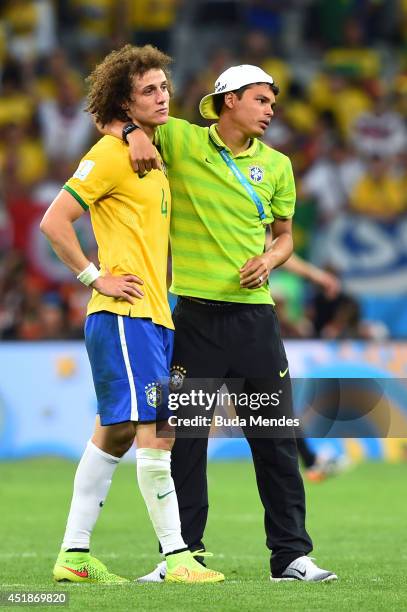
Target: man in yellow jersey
{"points": [[226, 187], [128, 331]]}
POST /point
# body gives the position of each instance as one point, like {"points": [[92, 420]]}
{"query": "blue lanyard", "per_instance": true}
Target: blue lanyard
{"points": [[242, 180]]}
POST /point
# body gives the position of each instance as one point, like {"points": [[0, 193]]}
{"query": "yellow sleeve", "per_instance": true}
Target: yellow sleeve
{"points": [[94, 178]]}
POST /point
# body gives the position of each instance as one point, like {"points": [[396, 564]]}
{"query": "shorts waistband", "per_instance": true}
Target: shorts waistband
{"points": [[216, 306]]}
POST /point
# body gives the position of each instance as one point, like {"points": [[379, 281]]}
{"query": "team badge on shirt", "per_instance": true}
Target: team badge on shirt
{"points": [[256, 174], [153, 394], [177, 376]]}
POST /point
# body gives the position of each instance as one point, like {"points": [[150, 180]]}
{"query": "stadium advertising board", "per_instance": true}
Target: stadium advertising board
{"points": [[47, 402]]}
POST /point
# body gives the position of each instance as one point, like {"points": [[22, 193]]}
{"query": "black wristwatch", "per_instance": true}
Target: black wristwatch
{"points": [[128, 129]]}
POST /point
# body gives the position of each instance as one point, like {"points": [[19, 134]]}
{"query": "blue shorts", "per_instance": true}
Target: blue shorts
{"points": [[130, 360]]}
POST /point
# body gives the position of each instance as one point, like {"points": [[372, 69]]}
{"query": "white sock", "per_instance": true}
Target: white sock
{"points": [[91, 486], [157, 487]]}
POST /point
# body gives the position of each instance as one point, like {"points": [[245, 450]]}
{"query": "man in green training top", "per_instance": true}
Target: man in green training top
{"points": [[226, 187]]}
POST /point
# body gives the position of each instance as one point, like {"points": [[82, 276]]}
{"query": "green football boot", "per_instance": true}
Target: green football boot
{"points": [[182, 567], [82, 567]]}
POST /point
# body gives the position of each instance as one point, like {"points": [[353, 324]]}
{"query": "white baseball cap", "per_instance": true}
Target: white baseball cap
{"points": [[231, 79]]}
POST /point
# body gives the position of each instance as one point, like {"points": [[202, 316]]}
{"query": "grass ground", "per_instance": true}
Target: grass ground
{"points": [[358, 522]]}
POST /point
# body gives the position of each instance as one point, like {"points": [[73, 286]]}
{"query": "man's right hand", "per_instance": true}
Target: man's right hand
{"points": [[143, 154], [123, 287]]}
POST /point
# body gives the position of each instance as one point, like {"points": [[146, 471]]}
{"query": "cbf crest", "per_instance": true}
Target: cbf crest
{"points": [[256, 173], [154, 394], [177, 377]]}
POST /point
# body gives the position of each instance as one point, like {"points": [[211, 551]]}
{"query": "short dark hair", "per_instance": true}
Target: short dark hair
{"points": [[110, 84], [218, 99]]}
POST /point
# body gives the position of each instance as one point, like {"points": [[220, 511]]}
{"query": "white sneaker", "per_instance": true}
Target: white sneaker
{"points": [[305, 569], [157, 575], [327, 465]]}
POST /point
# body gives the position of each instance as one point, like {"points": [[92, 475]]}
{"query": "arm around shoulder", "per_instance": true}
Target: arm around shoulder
{"points": [[142, 152]]}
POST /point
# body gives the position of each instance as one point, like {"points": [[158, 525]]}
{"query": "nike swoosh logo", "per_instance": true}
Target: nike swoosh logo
{"points": [[181, 571], [165, 494], [83, 574], [162, 576], [302, 574], [282, 374]]}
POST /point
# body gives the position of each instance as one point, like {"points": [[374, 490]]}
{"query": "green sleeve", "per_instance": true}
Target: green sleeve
{"points": [[283, 202], [172, 139]]}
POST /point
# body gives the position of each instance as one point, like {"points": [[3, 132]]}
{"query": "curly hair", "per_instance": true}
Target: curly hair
{"points": [[110, 84]]}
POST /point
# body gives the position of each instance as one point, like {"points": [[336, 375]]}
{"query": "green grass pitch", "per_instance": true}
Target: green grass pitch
{"points": [[358, 521]]}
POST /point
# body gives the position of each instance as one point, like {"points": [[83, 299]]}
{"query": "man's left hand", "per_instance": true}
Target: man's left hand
{"points": [[255, 272]]}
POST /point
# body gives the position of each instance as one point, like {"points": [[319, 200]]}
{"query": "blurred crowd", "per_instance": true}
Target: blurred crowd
{"points": [[341, 117]]}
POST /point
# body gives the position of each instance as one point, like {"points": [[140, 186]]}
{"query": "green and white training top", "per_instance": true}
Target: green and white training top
{"points": [[215, 225]]}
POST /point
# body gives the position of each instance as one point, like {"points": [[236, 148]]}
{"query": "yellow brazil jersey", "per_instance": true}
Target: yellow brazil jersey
{"points": [[130, 218]]}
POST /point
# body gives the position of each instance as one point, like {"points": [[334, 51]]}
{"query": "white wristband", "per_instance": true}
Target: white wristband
{"points": [[89, 274]]}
